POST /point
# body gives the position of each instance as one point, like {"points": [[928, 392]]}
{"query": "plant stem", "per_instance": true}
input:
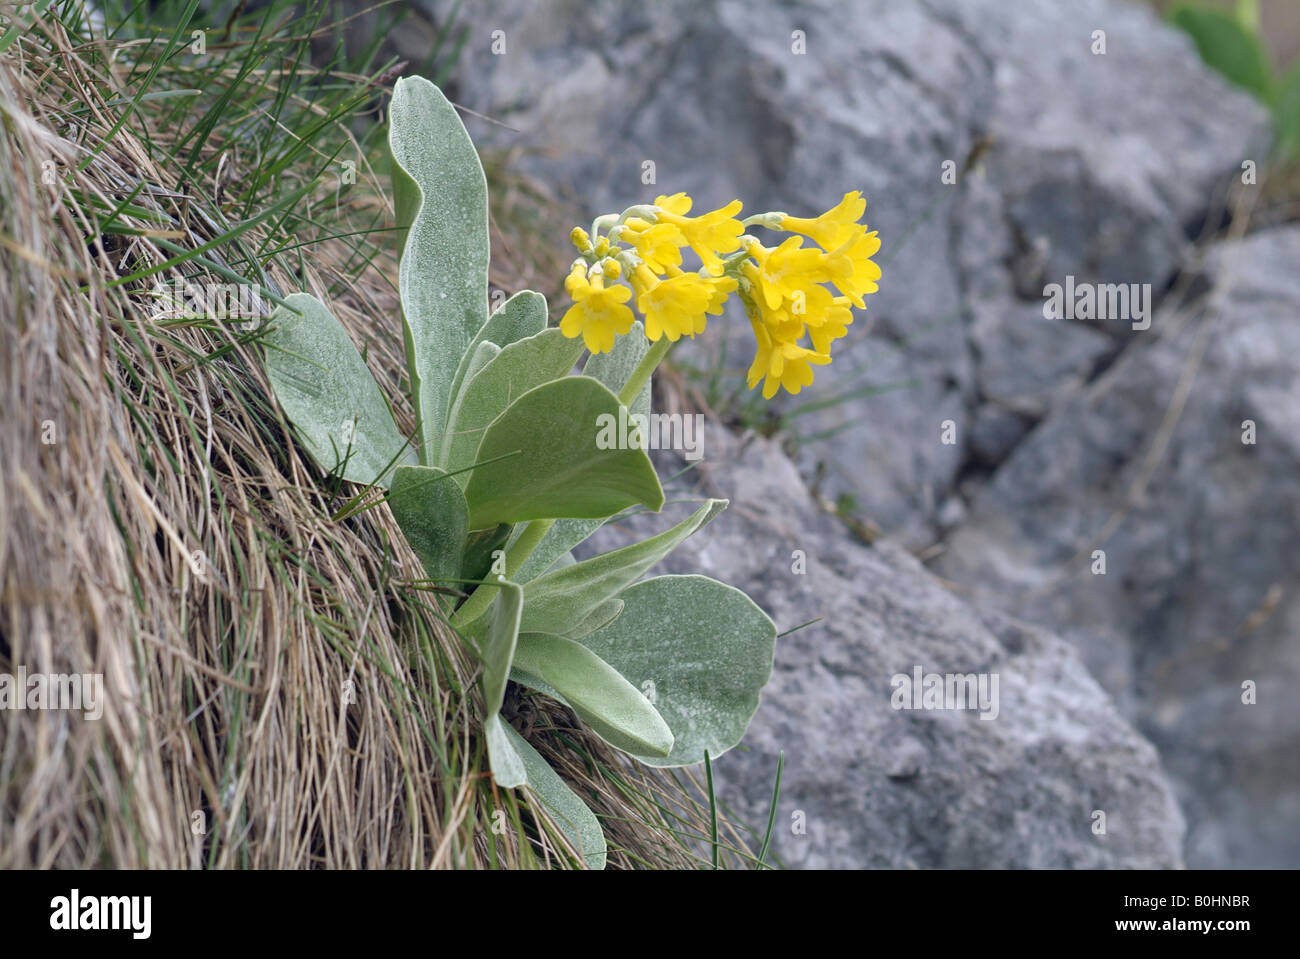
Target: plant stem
{"points": [[474, 607], [649, 363], [516, 556]]}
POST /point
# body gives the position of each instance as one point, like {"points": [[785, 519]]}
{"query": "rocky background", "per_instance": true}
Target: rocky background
{"points": [[1125, 694]]}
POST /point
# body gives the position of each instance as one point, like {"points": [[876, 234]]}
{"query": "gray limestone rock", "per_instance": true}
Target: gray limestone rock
{"points": [[877, 786], [1153, 465]]}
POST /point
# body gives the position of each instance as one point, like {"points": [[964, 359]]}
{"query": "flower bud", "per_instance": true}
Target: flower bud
{"points": [[581, 241]]}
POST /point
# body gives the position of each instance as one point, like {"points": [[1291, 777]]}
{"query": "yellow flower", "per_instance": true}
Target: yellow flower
{"points": [[850, 246], [834, 227], [658, 245], [798, 296], [723, 286], [789, 271], [642, 279], [675, 306], [598, 313], [577, 276], [781, 363], [678, 203], [709, 234], [862, 272], [720, 287], [827, 320], [770, 315]]}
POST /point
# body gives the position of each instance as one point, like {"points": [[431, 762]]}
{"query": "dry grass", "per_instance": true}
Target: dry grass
{"points": [[174, 539]]}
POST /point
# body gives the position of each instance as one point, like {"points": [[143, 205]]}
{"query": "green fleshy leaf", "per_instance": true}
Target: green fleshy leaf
{"points": [[566, 596], [558, 471], [615, 709], [478, 357], [508, 770], [570, 813], [441, 199], [707, 649], [567, 559], [598, 618], [1228, 47], [496, 644], [431, 510], [1286, 114], [516, 369], [612, 369], [563, 535], [326, 391], [523, 315]]}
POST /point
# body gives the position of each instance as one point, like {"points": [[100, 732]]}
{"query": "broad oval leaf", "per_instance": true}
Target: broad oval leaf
{"points": [[707, 649], [541, 460], [615, 709], [612, 369], [441, 199], [329, 395], [477, 357], [515, 370], [524, 314], [564, 597], [431, 510]]}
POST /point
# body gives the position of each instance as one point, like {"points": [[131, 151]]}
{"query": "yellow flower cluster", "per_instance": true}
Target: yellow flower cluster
{"points": [[791, 293]]}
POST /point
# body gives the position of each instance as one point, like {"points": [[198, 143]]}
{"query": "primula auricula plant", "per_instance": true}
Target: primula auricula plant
{"points": [[505, 475]]}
